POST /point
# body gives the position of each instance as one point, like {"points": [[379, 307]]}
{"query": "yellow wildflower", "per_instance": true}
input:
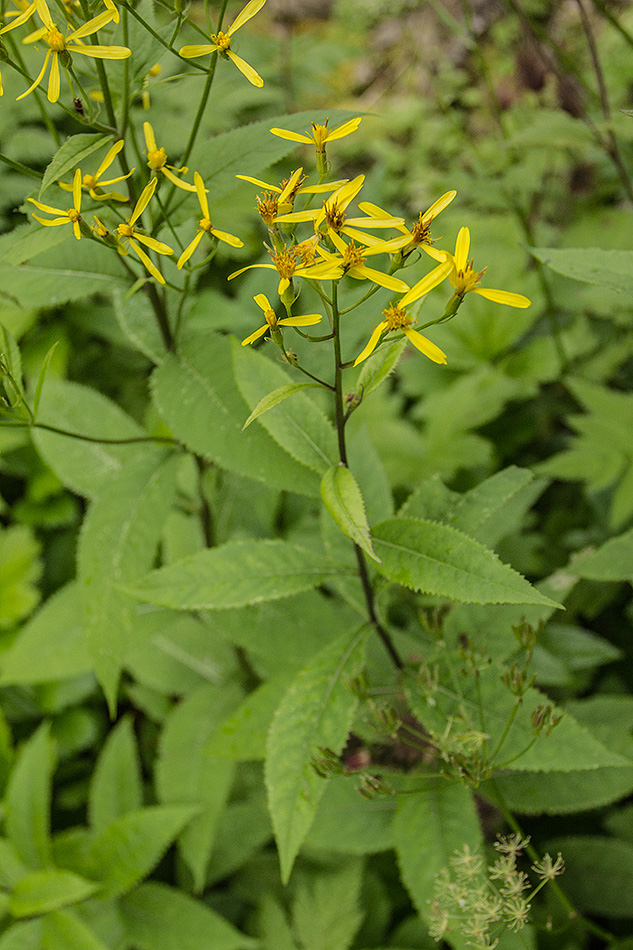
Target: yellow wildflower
{"points": [[60, 47], [280, 198], [285, 263], [72, 215], [93, 183], [465, 279], [395, 318], [420, 234], [131, 234], [205, 225], [351, 260], [273, 324], [221, 43], [334, 213], [320, 134], [157, 161]]}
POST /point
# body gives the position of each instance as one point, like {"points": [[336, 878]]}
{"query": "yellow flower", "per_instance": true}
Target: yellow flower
{"points": [[221, 43], [131, 234], [157, 161], [93, 184], [351, 260], [272, 323], [285, 263], [420, 233], [72, 215], [465, 279], [205, 225], [279, 199], [395, 318], [334, 214], [320, 134], [60, 47]]}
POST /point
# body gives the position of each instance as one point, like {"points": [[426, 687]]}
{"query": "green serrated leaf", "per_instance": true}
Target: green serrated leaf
{"points": [[51, 645], [132, 845], [326, 911], [440, 560], [234, 574], [65, 930], [43, 891], [28, 800], [118, 542], [187, 771], [196, 395], [20, 569], [71, 154], [380, 366], [592, 265], [158, 917], [25, 935], [613, 561], [116, 786], [315, 713], [299, 427], [430, 824], [242, 735], [342, 498], [275, 397]]}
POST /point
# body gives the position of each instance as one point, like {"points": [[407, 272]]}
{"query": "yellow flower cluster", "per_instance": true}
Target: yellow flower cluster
{"points": [[342, 244]]}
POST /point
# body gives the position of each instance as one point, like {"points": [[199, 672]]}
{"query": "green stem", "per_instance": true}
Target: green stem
{"points": [[19, 167], [159, 38], [165, 440], [340, 432]]}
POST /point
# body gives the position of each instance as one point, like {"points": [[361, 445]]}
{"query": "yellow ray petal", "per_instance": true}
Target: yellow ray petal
{"points": [[91, 26], [361, 272], [102, 52], [188, 251], [438, 206], [307, 320], [43, 207], [246, 69], [290, 185], [22, 18], [150, 138], [152, 243], [256, 335], [202, 194], [48, 224], [192, 52], [236, 273], [372, 344], [107, 161], [260, 184], [183, 185], [262, 301], [462, 246], [344, 129], [503, 296], [39, 78], [425, 346], [292, 136], [143, 201], [53, 80], [227, 238], [427, 283], [151, 267], [77, 190], [251, 8]]}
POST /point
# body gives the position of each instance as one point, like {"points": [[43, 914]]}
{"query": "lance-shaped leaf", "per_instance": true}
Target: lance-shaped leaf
{"points": [[342, 498], [380, 366], [440, 560], [611, 562], [233, 575], [275, 397], [28, 800], [315, 713], [71, 154], [43, 891]]}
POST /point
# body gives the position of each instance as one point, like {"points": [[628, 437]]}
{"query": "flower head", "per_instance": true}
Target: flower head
{"points": [[93, 184], [71, 215], [279, 199], [132, 235], [273, 324], [157, 161], [465, 279], [334, 214], [205, 226], [351, 260], [288, 264], [420, 233], [221, 43], [60, 47], [320, 134], [396, 318]]}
